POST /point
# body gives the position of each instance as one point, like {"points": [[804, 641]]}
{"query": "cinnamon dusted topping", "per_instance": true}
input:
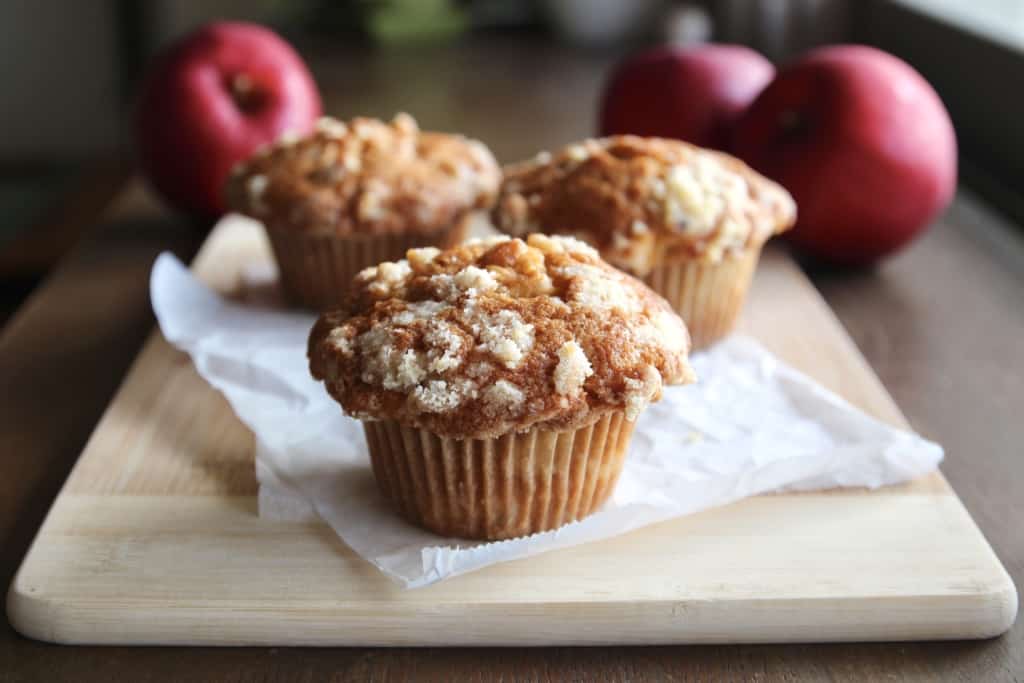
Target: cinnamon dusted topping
{"points": [[499, 335], [644, 201], [365, 176]]}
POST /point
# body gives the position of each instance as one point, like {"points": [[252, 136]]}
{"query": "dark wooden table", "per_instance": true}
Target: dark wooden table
{"points": [[942, 324]]}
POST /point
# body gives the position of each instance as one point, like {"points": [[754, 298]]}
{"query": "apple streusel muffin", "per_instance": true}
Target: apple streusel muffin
{"points": [[350, 195], [689, 221], [499, 381]]}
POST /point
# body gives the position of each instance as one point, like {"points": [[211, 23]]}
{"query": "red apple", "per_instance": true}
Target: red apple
{"points": [[211, 100], [693, 94], [862, 142]]}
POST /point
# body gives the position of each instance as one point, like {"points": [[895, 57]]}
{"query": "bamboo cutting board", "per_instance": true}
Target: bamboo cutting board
{"points": [[155, 537]]}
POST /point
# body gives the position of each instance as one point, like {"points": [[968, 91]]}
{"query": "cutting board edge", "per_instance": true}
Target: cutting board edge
{"points": [[983, 614]]}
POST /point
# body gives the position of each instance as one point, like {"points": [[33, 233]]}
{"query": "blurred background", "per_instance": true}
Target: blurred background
{"points": [[71, 69]]}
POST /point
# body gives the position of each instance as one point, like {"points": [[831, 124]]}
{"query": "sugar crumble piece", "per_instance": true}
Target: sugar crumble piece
{"points": [[577, 153], [330, 126], [388, 278], [339, 339], [505, 336], [503, 396], [572, 370], [475, 278], [444, 345], [640, 392], [439, 396], [592, 287], [422, 257]]}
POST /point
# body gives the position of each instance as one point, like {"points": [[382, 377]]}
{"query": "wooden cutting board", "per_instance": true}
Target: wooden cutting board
{"points": [[155, 537]]}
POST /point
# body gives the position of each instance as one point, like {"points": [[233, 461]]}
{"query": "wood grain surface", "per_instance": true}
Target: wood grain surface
{"points": [[155, 538], [940, 323]]}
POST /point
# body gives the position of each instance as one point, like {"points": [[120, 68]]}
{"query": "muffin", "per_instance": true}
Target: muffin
{"points": [[689, 221], [348, 196], [499, 381]]}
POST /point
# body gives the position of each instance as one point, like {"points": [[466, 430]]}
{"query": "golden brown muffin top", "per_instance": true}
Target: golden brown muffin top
{"points": [[366, 177], [644, 201], [499, 335]]}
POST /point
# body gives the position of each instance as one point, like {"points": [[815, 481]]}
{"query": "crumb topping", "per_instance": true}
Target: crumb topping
{"points": [[643, 201], [365, 176], [572, 370], [499, 335]]}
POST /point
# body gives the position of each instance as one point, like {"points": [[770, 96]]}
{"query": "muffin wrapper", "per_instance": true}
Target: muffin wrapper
{"points": [[504, 487], [317, 270], [707, 296]]}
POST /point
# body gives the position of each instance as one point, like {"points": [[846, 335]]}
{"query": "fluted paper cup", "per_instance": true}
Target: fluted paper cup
{"points": [[707, 296], [316, 270], [505, 487]]}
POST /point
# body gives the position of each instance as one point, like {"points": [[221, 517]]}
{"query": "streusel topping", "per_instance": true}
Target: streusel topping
{"points": [[498, 335], [365, 176], [644, 201]]}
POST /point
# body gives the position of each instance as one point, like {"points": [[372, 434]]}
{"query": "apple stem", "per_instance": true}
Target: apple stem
{"points": [[243, 92], [793, 123], [241, 84]]}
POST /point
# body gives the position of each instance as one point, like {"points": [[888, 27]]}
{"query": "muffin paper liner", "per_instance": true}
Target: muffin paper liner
{"points": [[707, 296], [317, 269], [505, 487]]}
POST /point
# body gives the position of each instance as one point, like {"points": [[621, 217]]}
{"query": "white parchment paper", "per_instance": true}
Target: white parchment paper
{"points": [[751, 425]]}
